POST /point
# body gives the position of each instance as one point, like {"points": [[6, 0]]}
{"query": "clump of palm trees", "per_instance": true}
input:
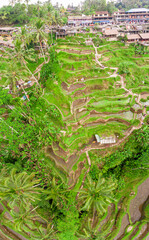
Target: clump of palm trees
{"points": [[18, 192], [21, 194]]}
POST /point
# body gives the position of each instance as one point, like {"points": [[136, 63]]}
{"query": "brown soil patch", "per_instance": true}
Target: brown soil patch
{"points": [[10, 233], [79, 102], [139, 111], [144, 95], [59, 151], [75, 126], [75, 175], [75, 86], [58, 161], [78, 94], [80, 112], [144, 231], [64, 86], [71, 161]]}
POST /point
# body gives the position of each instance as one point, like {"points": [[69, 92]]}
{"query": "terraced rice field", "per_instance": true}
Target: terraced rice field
{"points": [[94, 98]]}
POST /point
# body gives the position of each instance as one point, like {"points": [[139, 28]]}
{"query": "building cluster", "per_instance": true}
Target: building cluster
{"points": [[132, 32], [132, 26], [136, 15]]}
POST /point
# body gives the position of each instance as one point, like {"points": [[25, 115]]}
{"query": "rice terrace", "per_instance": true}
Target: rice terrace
{"points": [[74, 122]]}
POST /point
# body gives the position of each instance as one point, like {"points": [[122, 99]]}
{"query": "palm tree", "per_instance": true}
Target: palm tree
{"points": [[90, 233], [97, 195], [44, 234], [39, 36], [55, 193], [19, 188], [23, 219], [24, 36], [21, 53], [13, 74]]}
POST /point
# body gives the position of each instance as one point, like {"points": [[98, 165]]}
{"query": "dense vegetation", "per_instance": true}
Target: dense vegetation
{"points": [[101, 5], [19, 13]]}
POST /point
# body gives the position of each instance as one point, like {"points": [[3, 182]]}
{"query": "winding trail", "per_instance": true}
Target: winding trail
{"points": [[97, 56]]}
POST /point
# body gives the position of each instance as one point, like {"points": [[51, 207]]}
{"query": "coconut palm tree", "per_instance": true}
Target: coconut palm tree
{"points": [[90, 233], [20, 52], [55, 193], [44, 234], [13, 74], [38, 35], [23, 219], [97, 195], [19, 188]]}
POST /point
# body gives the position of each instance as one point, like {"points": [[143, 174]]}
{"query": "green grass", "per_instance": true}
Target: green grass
{"points": [[33, 65]]}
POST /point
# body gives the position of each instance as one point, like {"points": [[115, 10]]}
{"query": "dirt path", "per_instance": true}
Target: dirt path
{"points": [[96, 58]]}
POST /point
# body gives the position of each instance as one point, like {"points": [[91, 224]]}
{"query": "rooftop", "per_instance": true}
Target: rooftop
{"points": [[144, 35], [138, 10], [133, 36], [111, 32]]}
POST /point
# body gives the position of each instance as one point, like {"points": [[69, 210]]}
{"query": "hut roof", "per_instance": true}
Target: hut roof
{"points": [[144, 35], [134, 10], [111, 32], [133, 36]]}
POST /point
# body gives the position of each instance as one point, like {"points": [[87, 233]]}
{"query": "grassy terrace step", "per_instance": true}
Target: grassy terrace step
{"points": [[87, 74], [61, 172], [75, 66], [73, 56], [78, 46], [82, 158], [142, 227], [5, 236], [111, 102]]}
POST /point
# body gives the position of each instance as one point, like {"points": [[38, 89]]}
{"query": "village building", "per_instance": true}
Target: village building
{"points": [[80, 20], [64, 31], [133, 38], [61, 32], [112, 34], [144, 37], [101, 17], [105, 140], [140, 15]]}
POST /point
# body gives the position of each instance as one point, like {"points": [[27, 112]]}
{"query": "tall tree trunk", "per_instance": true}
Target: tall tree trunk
{"points": [[30, 72], [42, 50]]}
